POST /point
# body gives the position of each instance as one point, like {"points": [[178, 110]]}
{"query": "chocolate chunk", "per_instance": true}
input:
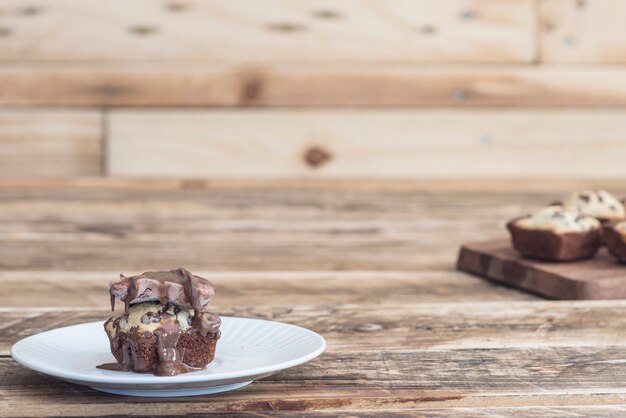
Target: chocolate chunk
{"points": [[206, 323], [585, 197]]}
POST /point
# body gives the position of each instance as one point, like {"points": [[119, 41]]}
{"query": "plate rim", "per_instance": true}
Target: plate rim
{"points": [[150, 379]]}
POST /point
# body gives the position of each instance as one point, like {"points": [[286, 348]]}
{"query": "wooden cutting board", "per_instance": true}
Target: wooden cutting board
{"points": [[598, 278]]}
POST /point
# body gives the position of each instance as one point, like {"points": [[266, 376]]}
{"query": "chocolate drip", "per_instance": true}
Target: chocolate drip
{"points": [[170, 360], [125, 363], [130, 360]]}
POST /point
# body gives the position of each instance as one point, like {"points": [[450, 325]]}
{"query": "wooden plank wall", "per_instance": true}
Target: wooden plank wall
{"points": [[407, 89], [388, 144]]}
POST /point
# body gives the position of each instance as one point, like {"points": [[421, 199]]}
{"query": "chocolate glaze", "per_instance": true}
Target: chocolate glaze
{"points": [[130, 360], [170, 360], [177, 287]]}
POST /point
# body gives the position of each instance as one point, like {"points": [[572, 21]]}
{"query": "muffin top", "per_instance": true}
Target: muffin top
{"points": [[597, 203], [558, 220]]}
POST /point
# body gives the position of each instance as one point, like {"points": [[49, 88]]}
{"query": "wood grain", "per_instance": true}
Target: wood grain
{"points": [[63, 289], [371, 326], [386, 381], [311, 31], [600, 277], [49, 143], [476, 355], [158, 85], [210, 226], [123, 85], [582, 31], [368, 264], [167, 188], [391, 144]]}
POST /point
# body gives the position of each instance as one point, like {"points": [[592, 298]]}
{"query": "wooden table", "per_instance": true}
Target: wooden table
{"points": [[367, 265]]}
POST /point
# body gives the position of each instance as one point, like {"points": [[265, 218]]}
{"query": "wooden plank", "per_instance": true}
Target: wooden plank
{"points": [[126, 85], [283, 395], [363, 388], [172, 188], [582, 31], [554, 355], [371, 326], [393, 348], [49, 143], [310, 30], [210, 226], [375, 381], [601, 277], [173, 85], [137, 225], [245, 289], [451, 86], [390, 144]]}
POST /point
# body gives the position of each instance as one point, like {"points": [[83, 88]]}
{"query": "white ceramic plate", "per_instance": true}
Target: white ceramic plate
{"points": [[249, 349]]}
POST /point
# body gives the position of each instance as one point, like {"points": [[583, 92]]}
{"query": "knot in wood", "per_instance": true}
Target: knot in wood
{"points": [[368, 327], [316, 156], [251, 90]]}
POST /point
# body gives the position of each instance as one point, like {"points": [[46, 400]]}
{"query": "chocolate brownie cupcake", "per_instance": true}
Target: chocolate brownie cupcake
{"points": [[165, 328], [556, 234], [600, 204], [615, 239]]}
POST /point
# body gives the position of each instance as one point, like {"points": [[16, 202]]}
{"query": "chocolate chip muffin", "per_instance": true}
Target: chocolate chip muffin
{"points": [[556, 234], [600, 204], [165, 328]]}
